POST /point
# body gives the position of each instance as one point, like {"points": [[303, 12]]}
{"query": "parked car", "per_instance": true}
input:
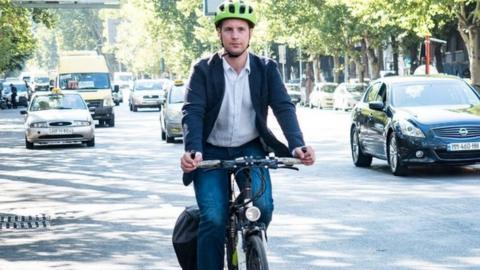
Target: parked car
{"points": [[346, 95], [293, 91], [417, 120], [58, 118], [22, 92], [322, 95], [147, 94], [171, 115]]}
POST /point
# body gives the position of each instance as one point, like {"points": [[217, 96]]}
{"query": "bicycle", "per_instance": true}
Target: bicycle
{"points": [[246, 238]]}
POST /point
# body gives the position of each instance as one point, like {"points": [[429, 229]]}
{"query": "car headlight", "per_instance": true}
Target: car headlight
{"points": [[107, 102], [409, 129], [39, 125], [80, 123]]}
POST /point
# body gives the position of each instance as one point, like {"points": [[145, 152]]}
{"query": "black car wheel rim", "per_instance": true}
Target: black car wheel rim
{"points": [[393, 153], [355, 148]]}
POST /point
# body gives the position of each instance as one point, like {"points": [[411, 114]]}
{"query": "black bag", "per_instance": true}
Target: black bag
{"points": [[185, 237]]}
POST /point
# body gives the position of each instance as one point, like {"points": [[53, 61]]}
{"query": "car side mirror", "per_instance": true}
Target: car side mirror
{"points": [[23, 112], [376, 105], [116, 88]]}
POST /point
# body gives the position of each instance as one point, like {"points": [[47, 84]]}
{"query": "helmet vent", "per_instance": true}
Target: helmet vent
{"points": [[221, 7], [250, 10], [242, 9], [231, 8]]}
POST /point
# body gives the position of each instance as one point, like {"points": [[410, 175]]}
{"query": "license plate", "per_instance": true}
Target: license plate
{"points": [[60, 131], [469, 146]]}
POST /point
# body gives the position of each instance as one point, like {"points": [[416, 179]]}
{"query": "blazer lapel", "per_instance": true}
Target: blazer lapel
{"points": [[255, 84], [217, 76]]}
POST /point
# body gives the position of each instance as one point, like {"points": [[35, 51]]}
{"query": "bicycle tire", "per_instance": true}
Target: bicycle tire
{"points": [[232, 260], [256, 254]]}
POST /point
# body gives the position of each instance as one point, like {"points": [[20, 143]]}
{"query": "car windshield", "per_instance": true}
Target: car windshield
{"points": [[79, 81], [20, 88], [150, 85], [57, 102], [177, 94], [41, 80], [355, 88], [124, 78], [433, 93], [328, 88]]}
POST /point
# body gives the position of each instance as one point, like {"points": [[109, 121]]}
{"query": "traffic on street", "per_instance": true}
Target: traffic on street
{"points": [[114, 206], [239, 135]]}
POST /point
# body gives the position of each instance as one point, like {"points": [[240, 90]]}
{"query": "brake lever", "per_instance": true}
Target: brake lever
{"points": [[288, 167]]}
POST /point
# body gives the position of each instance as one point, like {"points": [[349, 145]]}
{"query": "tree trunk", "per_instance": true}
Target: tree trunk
{"points": [[470, 36], [395, 54], [336, 69], [359, 69], [373, 61], [364, 60], [309, 80], [438, 58], [346, 68]]}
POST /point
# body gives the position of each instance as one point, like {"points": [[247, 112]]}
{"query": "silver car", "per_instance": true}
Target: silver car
{"points": [[56, 118], [146, 94], [171, 115]]}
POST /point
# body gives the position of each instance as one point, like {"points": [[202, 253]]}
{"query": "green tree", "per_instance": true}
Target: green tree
{"points": [[17, 43]]}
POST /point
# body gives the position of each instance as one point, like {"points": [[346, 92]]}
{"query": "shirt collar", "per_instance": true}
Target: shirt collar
{"points": [[226, 65]]}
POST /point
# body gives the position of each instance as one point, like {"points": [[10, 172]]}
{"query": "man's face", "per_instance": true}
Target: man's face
{"points": [[235, 35]]}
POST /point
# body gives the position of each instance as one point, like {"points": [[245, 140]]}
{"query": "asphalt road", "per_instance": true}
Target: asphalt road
{"points": [[113, 206]]}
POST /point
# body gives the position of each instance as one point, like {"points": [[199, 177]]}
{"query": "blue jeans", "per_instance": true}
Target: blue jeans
{"points": [[212, 193]]}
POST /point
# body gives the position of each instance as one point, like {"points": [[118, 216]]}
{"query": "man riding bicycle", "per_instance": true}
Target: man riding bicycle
{"points": [[225, 117]]}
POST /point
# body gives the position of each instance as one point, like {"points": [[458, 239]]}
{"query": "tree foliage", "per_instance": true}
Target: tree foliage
{"points": [[17, 43]]}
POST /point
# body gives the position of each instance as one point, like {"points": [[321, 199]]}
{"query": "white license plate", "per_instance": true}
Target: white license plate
{"points": [[469, 146], [60, 131]]}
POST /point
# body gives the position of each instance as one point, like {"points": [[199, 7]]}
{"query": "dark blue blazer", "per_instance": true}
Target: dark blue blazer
{"points": [[204, 95]]}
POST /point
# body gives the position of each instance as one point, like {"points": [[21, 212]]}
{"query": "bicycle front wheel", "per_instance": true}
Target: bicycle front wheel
{"points": [[256, 255]]}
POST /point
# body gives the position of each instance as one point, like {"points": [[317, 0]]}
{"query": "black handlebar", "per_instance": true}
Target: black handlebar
{"points": [[243, 162]]}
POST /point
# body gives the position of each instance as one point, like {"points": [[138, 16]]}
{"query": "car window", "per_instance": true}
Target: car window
{"points": [[328, 88], [57, 102], [177, 94], [78, 81], [41, 79], [140, 86], [433, 93], [372, 93]]}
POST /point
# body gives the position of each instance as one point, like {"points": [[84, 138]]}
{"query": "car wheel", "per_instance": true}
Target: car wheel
{"points": [[130, 107], [134, 108], [28, 145], [394, 161], [169, 139], [91, 143], [111, 122], [164, 136], [359, 158]]}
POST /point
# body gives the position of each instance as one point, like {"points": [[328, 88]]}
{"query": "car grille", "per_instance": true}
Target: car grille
{"points": [[68, 136], [456, 132], [97, 103], [153, 96], [460, 155], [60, 124]]}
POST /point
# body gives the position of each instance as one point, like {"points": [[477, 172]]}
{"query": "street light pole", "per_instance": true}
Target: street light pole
{"points": [[427, 55]]}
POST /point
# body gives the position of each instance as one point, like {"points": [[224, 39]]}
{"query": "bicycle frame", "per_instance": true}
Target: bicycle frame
{"points": [[240, 227]]}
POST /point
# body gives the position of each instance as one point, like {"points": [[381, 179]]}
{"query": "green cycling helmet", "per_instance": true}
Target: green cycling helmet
{"points": [[235, 9]]}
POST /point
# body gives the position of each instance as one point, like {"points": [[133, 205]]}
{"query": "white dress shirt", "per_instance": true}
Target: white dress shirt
{"points": [[235, 124]]}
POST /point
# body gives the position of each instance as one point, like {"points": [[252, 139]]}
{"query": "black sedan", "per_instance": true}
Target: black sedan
{"points": [[418, 120]]}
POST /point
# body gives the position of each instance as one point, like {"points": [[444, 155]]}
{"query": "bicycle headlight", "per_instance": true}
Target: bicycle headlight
{"points": [[409, 129], [39, 125], [253, 213]]}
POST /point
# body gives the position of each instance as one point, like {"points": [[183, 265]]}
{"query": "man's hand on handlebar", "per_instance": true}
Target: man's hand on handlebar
{"points": [[189, 161], [306, 154]]}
